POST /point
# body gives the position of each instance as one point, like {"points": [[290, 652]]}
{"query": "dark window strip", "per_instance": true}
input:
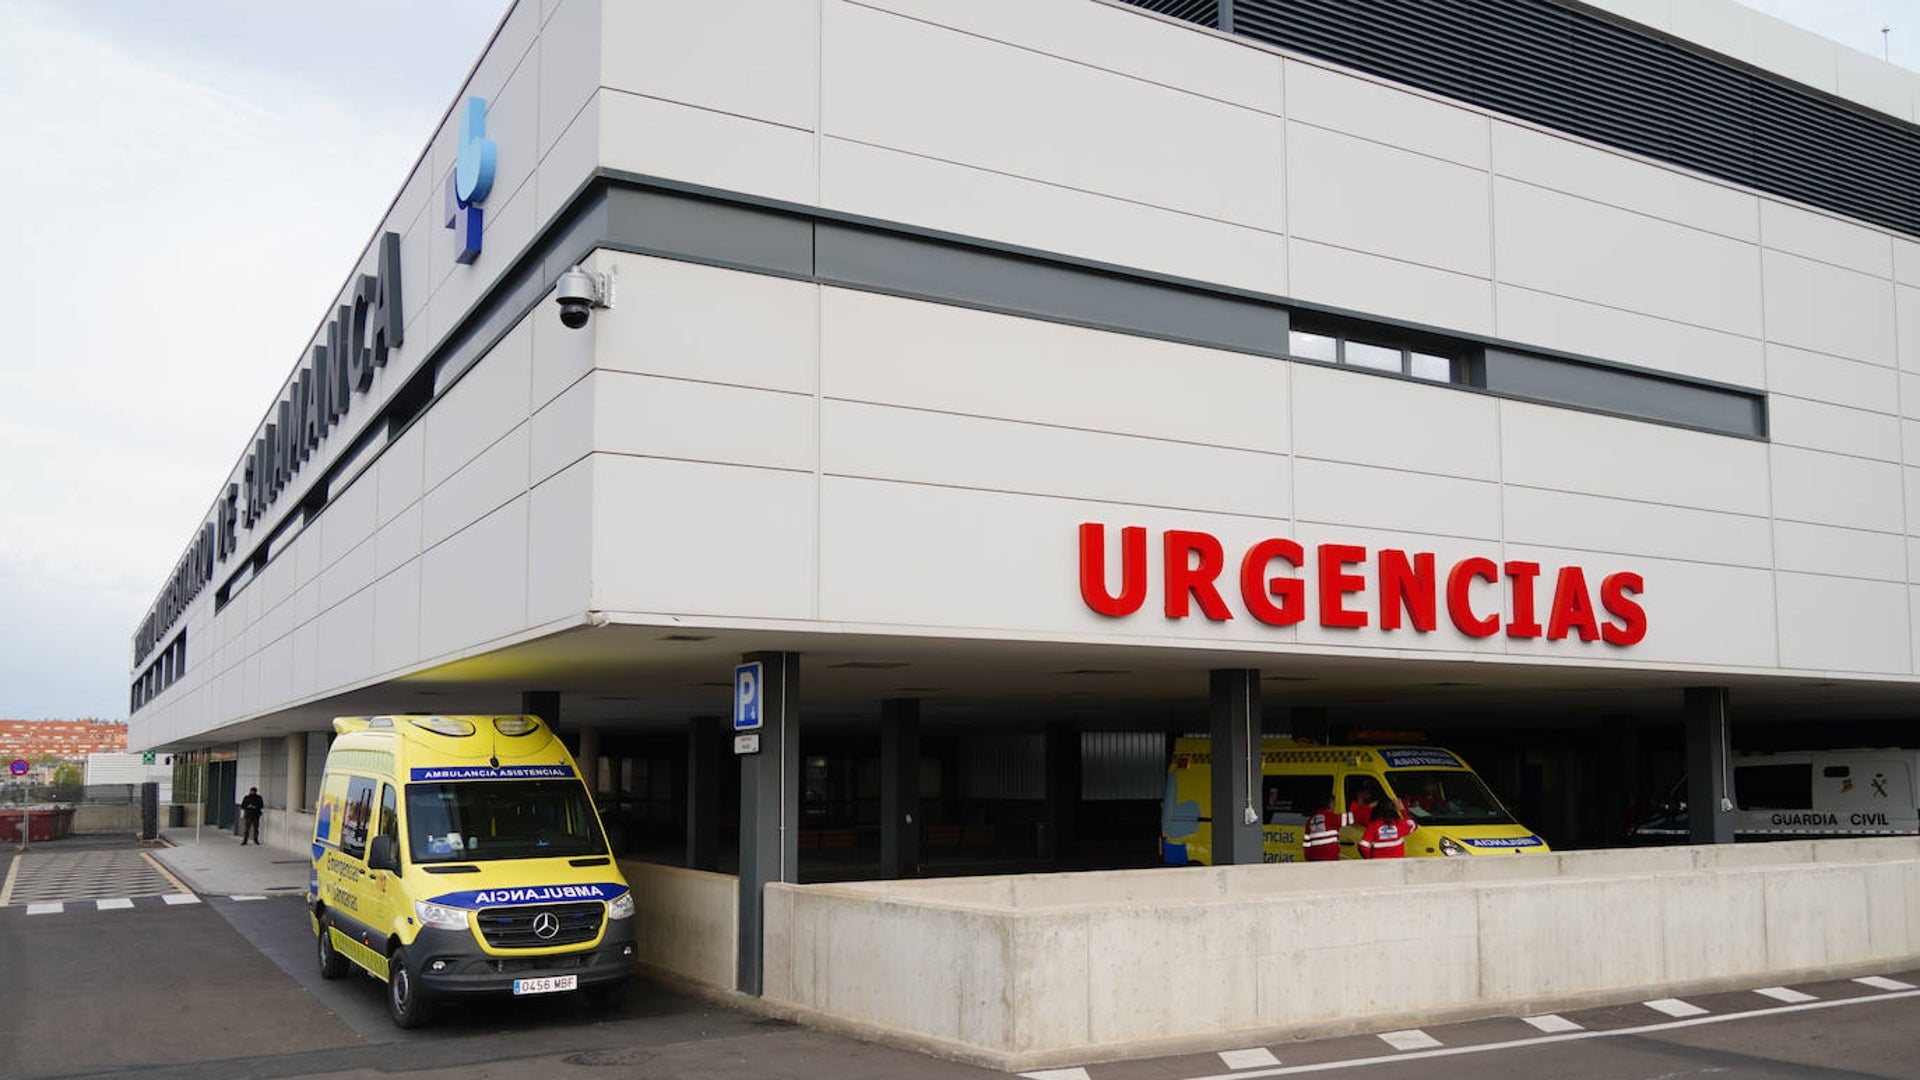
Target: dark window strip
{"points": [[1625, 86]]}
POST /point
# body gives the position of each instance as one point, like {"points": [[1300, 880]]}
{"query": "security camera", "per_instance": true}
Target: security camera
{"points": [[578, 292]]}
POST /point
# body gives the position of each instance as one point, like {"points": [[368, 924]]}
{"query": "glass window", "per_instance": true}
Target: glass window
{"points": [[1308, 346], [1289, 797], [356, 816], [1428, 366], [1773, 787], [1377, 357], [482, 820], [389, 813], [1447, 797]]}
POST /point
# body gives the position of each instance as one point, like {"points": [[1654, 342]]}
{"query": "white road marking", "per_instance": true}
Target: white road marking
{"points": [[1531, 1041], [1075, 1073], [1675, 1007], [1551, 1024], [248, 897], [45, 909], [1781, 993], [181, 898], [113, 905], [1881, 982], [1248, 1059], [1411, 1039]]}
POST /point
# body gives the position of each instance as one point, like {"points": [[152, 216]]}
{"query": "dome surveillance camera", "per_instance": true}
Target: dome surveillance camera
{"points": [[578, 292]]}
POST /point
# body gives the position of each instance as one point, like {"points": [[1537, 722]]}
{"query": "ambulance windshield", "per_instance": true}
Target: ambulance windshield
{"points": [[1448, 797], [480, 820]]}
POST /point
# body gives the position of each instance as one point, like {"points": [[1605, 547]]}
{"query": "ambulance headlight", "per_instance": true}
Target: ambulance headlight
{"points": [[440, 916], [1449, 848], [621, 908]]}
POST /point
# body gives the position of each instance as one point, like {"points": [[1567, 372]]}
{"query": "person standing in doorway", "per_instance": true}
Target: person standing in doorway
{"points": [[250, 810]]}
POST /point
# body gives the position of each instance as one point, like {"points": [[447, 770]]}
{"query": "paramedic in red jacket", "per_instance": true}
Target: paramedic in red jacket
{"points": [[1321, 838], [1387, 832]]}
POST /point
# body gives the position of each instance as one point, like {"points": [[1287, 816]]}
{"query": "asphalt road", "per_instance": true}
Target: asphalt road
{"points": [[190, 988]]}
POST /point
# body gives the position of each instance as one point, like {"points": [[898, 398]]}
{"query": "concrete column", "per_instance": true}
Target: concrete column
{"points": [[589, 757], [296, 772], [1709, 766], [899, 787], [769, 805], [704, 749], [1235, 694], [1063, 790]]}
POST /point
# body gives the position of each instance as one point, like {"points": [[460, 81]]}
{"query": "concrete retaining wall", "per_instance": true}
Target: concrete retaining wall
{"points": [[109, 818], [1023, 972], [685, 922]]}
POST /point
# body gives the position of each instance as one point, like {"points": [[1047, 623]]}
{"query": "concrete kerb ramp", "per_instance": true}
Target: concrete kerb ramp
{"points": [[1029, 971]]}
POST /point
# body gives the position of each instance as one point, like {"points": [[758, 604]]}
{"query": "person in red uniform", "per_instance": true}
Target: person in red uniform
{"points": [[1387, 832], [1321, 838], [1360, 810]]}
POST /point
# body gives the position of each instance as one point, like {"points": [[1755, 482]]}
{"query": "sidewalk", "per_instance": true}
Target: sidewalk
{"points": [[216, 864]]}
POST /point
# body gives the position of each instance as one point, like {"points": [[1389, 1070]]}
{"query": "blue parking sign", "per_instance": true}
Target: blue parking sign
{"points": [[746, 697]]}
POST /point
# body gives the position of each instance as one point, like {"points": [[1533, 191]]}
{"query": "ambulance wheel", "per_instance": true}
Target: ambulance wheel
{"points": [[405, 1003], [332, 964]]}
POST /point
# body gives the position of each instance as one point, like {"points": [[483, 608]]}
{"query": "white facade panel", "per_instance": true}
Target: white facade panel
{"points": [[1816, 425], [1876, 84], [1826, 238], [1116, 39], [1596, 174], [1837, 490], [767, 48], [1563, 450], [498, 476], [909, 86], [971, 201], [396, 619], [489, 401], [1835, 552], [572, 157], [1705, 614], [1906, 261], [401, 473], [348, 522], [904, 352], [1390, 288], [1569, 521], [689, 538], [705, 146], [570, 44], [1844, 624], [560, 545], [345, 642], [1805, 305], [1819, 377], [1906, 303], [1337, 494], [353, 572], [1628, 337], [1588, 251], [562, 431], [1353, 416], [697, 322], [491, 554], [1340, 101], [679, 418], [399, 541], [914, 446], [1352, 193]]}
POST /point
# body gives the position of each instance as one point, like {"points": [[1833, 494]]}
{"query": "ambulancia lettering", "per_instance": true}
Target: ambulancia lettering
{"points": [[540, 894], [482, 772]]}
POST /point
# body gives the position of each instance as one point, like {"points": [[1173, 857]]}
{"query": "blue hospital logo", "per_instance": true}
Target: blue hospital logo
{"points": [[471, 180]]}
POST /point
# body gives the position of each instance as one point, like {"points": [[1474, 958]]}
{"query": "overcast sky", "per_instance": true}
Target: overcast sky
{"points": [[185, 185]]}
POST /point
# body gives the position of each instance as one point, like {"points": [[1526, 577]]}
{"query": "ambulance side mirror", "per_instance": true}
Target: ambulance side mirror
{"points": [[383, 854]]}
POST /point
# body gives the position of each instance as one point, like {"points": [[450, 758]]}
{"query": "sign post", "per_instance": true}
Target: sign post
{"points": [[747, 708], [19, 768]]}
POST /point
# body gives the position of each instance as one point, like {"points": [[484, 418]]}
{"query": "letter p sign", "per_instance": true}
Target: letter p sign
{"points": [[746, 697]]}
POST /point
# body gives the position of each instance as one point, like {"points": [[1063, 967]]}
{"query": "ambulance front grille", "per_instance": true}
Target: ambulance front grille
{"points": [[519, 927]]}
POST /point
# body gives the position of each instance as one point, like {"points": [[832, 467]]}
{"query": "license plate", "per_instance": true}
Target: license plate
{"points": [[550, 984]]}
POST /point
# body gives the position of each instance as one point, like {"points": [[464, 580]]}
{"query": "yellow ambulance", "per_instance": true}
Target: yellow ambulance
{"points": [[461, 855], [1455, 812]]}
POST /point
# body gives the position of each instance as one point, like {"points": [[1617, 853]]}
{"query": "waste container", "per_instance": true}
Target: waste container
{"points": [[176, 816]]}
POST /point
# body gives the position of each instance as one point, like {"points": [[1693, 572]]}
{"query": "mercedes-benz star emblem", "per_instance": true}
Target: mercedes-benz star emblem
{"points": [[545, 925]]}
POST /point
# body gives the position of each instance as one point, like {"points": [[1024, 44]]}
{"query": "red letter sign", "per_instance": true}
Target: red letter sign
{"points": [[1613, 596], [1407, 585], [1256, 587], [1093, 569], [1335, 585], [1184, 578], [1460, 603]]}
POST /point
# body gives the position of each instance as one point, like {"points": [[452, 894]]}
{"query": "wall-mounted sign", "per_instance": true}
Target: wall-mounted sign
{"points": [[1348, 586], [746, 697], [471, 180]]}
